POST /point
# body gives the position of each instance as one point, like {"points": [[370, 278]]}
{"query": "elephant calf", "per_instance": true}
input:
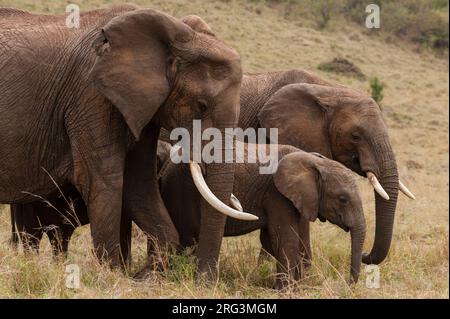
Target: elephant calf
{"points": [[57, 217], [305, 186]]}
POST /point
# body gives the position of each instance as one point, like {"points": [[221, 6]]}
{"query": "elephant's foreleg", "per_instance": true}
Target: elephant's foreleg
{"points": [[283, 233], [286, 252], [305, 243], [142, 198], [104, 210], [266, 252], [98, 176], [125, 239]]}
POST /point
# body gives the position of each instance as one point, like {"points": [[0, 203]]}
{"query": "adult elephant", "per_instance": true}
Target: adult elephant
{"points": [[84, 107], [341, 123]]}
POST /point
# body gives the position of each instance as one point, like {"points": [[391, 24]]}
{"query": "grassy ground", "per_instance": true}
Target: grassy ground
{"points": [[416, 110]]}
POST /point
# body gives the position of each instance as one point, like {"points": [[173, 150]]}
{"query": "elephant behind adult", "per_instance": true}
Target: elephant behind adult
{"points": [[84, 107]]}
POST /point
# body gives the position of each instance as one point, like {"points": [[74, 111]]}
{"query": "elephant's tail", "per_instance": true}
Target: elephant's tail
{"points": [[14, 241]]}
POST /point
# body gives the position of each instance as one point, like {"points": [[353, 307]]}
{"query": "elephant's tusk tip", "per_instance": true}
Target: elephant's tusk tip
{"points": [[236, 203], [405, 190], [252, 217]]}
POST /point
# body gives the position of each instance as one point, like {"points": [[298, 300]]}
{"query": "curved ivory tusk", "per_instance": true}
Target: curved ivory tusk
{"points": [[204, 190], [377, 186], [236, 203], [405, 190]]}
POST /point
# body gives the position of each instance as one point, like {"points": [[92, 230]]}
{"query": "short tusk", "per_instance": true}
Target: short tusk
{"points": [[377, 186], [204, 190], [405, 190], [236, 203]]}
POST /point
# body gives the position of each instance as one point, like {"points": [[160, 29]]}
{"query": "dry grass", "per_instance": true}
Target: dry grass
{"points": [[416, 109]]}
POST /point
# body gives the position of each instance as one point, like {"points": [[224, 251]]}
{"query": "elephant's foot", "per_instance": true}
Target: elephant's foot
{"points": [[285, 283], [145, 273], [264, 257], [156, 264], [207, 272], [158, 255], [306, 264]]}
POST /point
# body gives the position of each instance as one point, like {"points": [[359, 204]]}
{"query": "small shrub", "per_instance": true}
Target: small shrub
{"points": [[342, 66], [323, 11], [377, 89]]}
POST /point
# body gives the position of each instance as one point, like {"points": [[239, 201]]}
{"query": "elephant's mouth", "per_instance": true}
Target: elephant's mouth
{"points": [[336, 221], [355, 165], [322, 218]]}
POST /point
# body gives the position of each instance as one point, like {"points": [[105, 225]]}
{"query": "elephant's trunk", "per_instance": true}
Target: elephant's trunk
{"points": [[220, 179], [385, 209], [357, 233]]}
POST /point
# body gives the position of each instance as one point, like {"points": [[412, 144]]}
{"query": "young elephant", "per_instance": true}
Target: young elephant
{"points": [[57, 217], [305, 186]]}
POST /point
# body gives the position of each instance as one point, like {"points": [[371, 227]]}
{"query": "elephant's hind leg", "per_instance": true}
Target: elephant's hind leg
{"points": [[28, 225], [59, 239]]}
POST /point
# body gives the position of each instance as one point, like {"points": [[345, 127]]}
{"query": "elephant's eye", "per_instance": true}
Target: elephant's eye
{"points": [[343, 200], [356, 137], [202, 106]]}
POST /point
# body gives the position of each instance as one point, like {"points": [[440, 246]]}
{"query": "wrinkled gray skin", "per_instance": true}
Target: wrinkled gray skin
{"points": [[305, 187], [85, 107]]}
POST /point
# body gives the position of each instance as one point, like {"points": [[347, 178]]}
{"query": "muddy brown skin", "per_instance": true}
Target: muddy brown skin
{"points": [[85, 106], [304, 187]]}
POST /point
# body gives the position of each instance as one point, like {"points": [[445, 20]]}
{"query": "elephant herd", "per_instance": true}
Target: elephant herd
{"points": [[85, 116]]}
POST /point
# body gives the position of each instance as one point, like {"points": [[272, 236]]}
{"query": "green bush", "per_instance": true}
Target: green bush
{"points": [[377, 89]]}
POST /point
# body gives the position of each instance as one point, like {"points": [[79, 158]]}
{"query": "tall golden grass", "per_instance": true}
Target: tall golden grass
{"points": [[416, 110]]}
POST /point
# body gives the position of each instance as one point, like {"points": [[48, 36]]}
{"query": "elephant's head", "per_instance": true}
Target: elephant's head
{"points": [[347, 126], [155, 68], [322, 188]]}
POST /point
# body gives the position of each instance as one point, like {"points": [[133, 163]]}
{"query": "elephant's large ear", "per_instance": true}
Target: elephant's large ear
{"points": [[198, 24], [134, 51], [299, 183]]}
